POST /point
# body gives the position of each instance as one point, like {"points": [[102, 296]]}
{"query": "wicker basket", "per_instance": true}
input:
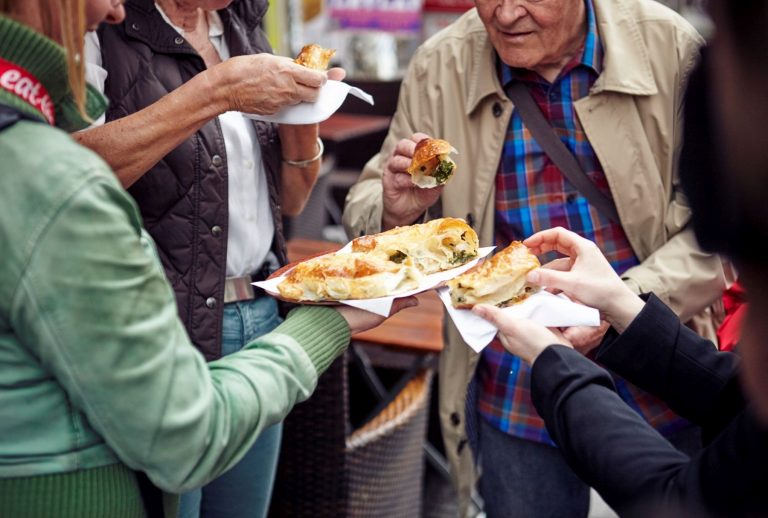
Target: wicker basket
{"points": [[377, 470]]}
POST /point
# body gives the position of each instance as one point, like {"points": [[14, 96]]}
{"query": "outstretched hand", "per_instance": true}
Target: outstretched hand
{"points": [[585, 276]]}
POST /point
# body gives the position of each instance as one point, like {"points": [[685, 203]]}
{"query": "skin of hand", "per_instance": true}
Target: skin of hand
{"points": [[520, 337], [299, 142], [264, 83], [586, 338], [589, 278], [403, 201], [360, 320]]}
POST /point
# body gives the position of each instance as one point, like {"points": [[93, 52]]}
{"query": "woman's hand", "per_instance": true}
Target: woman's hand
{"points": [[586, 276], [521, 337], [360, 320], [264, 83]]}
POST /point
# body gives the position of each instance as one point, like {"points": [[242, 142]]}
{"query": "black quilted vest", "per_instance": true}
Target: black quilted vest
{"points": [[184, 196]]}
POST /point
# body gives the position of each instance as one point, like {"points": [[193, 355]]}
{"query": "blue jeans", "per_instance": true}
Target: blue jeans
{"points": [[245, 490]]}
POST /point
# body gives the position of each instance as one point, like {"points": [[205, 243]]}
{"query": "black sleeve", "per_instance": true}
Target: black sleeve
{"points": [[634, 468], [662, 356]]}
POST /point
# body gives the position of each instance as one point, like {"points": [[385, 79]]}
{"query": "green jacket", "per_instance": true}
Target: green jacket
{"points": [[95, 366]]}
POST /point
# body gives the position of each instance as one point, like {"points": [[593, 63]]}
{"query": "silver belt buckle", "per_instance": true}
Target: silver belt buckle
{"points": [[238, 288]]}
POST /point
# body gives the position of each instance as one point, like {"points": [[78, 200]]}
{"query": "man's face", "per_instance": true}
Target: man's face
{"points": [[532, 33]]}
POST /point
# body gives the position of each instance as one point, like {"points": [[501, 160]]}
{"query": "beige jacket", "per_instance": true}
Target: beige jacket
{"points": [[632, 119]]}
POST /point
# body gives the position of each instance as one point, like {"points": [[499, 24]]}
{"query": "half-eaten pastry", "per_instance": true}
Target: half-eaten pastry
{"points": [[431, 166]]}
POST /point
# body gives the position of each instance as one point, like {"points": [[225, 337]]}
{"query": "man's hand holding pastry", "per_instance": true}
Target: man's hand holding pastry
{"points": [[404, 202]]}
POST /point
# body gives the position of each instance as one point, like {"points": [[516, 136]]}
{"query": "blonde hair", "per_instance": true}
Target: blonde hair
{"points": [[72, 29]]}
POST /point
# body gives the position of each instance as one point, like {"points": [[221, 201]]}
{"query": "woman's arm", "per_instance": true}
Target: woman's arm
{"points": [[95, 309], [260, 83]]}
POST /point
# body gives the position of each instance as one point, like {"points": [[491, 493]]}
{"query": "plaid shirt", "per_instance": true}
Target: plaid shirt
{"points": [[533, 195]]}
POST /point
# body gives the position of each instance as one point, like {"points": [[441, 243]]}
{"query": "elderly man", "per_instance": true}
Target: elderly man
{"points": [[608, 76]]}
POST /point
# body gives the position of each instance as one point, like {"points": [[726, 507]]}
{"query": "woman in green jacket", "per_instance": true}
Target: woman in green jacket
{"points": [[99, 384]]}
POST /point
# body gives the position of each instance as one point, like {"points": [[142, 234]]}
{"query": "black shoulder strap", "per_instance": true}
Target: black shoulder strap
{"points": [[10, 116], [559, 154]]}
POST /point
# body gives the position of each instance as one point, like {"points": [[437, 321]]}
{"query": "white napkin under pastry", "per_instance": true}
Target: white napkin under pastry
{"points": [[332, 95], [543, 307]]}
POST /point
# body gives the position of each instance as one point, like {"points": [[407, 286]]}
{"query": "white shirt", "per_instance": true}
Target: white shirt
{"points": [[251, 228]]}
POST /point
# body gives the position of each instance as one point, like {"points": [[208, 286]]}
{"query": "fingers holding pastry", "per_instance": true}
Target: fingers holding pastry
{"points": [[590, 278], [404, 202], [521, 337], [263, 83]]}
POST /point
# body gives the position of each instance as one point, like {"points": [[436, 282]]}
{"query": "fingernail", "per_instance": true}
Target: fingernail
{"points": [[533, 276]]}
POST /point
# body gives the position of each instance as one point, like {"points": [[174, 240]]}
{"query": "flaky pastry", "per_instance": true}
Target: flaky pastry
{"points": [[499, 281], [314, 56], [345, 276], [437, 245], [431, 166]]}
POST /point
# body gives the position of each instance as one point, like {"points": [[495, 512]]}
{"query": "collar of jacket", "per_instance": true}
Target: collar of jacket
{"points": [[626, 65], [144, 22], [47, 61]]}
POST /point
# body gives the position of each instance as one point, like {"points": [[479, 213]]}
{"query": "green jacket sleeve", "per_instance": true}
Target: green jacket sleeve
{"points": [[94, 307]]}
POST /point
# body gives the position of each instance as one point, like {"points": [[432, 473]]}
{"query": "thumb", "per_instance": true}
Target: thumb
{"points": [[307, 76], [490, 313], [562, 281]]}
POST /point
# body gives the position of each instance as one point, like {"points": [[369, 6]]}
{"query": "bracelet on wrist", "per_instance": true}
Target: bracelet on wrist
{"points": [[309, 161]]}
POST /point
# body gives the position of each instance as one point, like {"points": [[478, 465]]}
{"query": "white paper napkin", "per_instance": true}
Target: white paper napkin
{"points": [[332, 95], [542, 307], [382, 305]]}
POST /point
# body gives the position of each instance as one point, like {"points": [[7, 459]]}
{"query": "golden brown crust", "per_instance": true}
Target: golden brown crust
{"points": [[315, 57], [346, 276], [437, 245], [499, 281], [427, 150]]}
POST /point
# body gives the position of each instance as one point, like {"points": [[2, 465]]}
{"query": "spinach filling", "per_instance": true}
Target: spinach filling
{"points": [[398, 257], [443, 171], [462, 257]]}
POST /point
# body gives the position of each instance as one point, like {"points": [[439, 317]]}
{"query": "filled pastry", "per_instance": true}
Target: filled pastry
{"points": [[499, 281]]}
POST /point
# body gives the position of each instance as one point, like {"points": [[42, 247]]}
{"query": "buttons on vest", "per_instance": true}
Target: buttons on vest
{"points": [[216, 160], [497, 109], [178, 40], [455, 419], [211, 302], [135, 26], [216, 230]]}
